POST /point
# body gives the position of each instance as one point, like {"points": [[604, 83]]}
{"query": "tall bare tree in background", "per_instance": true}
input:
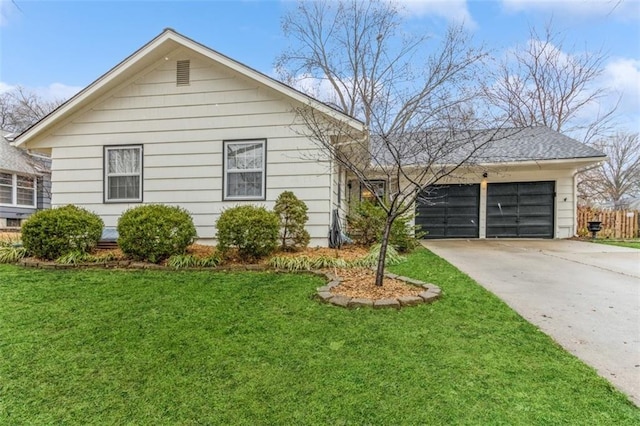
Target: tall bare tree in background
{"points": [[617, 180], [21, 108], [544, 83], [414, 94]]}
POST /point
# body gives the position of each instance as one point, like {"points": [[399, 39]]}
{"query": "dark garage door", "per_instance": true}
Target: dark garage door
{"points": [[520, 210], [449, 211]]}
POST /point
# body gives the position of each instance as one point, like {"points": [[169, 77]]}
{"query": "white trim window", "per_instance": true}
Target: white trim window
{"points": [[244, 169], [17, 190], [123, 173]]}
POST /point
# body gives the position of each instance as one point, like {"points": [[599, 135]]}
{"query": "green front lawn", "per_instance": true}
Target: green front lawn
{"points": [[149, 347], [622, 243]]}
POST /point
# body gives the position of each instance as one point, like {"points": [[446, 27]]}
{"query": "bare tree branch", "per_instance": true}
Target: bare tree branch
{"points": [[543, 83], [617, 180]]}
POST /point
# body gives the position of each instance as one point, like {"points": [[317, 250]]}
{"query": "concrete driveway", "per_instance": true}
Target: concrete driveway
{"points": [[585, 296]]}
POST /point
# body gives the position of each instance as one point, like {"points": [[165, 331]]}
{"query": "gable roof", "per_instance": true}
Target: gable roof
{"points": [[14, 159], [161, 47], [491, 146]]}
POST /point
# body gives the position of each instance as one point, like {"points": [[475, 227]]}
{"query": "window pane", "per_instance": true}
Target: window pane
{"points": [[5, 195], [124, 188], [124, 160], [25, 182], [25, 197], [6, 179], [248, 184], [244, 156]]}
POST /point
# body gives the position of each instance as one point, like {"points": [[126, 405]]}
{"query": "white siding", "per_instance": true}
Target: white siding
{"points": [[182, 129]]}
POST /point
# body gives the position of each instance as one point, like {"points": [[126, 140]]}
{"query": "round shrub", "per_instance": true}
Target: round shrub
{"points": [[251, 229], [49, 234], [155, 232]]}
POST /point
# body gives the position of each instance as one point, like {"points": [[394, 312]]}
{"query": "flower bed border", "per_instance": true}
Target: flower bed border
{"points": [[431, 291], [430, 294]]}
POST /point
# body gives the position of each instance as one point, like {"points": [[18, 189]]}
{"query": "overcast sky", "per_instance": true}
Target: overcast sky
{"points": [[56, 48]]}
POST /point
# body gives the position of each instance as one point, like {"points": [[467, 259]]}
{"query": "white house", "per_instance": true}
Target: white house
{"points": [[181, 124]]}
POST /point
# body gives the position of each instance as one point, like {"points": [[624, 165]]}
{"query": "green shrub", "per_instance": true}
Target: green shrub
{"points": [[74, 258], [179, 261], [252, 230], [366, 225], [306, 263], [293, 215], [371, 259], [49, 234], [155, 232], [11, 254]]}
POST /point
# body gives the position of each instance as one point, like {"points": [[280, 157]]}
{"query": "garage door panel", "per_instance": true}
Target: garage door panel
{"points": [[462, 201], [538, 211], [533, 231], [503, 231], [494, 210], [520, 209], [536, 200], [449, 211], [535, 188]]}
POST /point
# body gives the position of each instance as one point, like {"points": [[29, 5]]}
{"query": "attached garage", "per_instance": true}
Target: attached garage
{"points": [[449, 211], [520, 210]]}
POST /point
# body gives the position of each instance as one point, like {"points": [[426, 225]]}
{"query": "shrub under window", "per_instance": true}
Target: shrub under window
{"points": [[252, 230], [49, 234], [155, 232]]}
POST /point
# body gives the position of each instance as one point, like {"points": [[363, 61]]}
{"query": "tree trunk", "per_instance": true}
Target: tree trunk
{"points": [[383, 251]]}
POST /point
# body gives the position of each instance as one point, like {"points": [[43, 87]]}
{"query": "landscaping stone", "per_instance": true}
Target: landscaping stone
{"points": [[358, 302], [334, 283], [340, 300], [429, 296], [410, 300], [325, 295], [386, 303]]}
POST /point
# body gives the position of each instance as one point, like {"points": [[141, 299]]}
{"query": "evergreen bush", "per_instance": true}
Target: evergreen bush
{"points": [[366, 225], [49, 234], [293, 216], [155, 232], [250, 229]]}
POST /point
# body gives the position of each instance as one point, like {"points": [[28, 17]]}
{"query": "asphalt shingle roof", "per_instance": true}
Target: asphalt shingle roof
{"points": [[489, 147], [14, 159]]}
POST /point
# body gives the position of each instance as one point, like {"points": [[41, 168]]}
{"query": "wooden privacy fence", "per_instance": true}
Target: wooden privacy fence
{"points": [[615, 223]]}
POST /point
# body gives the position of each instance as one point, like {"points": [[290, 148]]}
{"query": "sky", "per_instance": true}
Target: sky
{"points": [[56, 48]]}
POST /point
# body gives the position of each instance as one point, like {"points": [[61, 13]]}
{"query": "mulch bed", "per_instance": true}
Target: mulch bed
{"points": [[360, 283]]}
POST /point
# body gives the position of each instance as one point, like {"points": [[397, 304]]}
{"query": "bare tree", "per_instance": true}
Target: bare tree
{"points": [[415, 98], [617, 179], [21, 108], [543, 83]]}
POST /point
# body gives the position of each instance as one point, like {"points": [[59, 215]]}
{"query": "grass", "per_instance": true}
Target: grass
{"points": [[150, 347], [622, 243]]}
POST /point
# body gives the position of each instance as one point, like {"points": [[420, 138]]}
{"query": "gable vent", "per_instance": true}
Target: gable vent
{"points": [[182, 73]]}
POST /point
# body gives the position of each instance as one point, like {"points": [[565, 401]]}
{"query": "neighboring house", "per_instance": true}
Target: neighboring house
{"points": [[181, 124], [24, 183]]}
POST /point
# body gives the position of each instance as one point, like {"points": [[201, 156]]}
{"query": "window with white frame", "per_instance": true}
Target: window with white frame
{"points": [[123, 173], [17, 190], [244, 169]]}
